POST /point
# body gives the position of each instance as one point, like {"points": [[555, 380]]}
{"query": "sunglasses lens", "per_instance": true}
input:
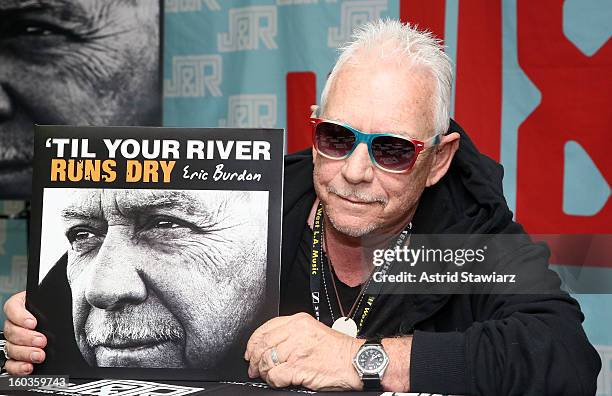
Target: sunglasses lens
{"points": [[333, 140], [393, 153]]}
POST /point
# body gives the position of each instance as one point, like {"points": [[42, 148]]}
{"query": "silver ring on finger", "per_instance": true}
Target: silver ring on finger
{"points": [[5, 351], [274, 356]]}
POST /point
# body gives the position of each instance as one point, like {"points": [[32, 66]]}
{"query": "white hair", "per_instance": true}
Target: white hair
{"points": [[421, 48]]}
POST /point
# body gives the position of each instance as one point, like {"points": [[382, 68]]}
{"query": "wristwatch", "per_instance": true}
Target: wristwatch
{"points": [[371, 361]]}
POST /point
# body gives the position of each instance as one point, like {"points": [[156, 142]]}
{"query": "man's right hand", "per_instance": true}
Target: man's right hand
{"points": [[24, 345]]}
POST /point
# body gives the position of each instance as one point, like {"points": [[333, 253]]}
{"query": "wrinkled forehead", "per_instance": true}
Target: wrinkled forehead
{"points": [[107, 203], [92, 12], [53, 6], [382, 96]]}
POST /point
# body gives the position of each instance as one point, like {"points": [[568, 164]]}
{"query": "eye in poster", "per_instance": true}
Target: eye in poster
{"points": [[154, 252], [74, 62]]}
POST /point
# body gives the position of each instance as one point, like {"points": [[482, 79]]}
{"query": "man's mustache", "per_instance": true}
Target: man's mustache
{"points": [[16, 142], [355, 194], [15, 154], [130, 327]]}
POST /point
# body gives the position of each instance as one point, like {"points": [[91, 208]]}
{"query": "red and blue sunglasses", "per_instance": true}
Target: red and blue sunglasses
{"points": [[389, 152]]}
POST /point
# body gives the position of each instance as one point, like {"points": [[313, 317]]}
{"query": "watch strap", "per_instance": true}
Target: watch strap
{"points": [[371, 382], [373, 341]]}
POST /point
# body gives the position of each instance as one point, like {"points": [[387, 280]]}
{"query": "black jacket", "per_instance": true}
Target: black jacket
{"points": [[467, 344]]}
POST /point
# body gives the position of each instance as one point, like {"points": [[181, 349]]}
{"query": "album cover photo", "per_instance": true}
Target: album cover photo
{"points": [[154, 280]]}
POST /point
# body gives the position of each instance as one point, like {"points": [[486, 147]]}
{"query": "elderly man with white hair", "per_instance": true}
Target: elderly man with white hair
{"points": [[388, 162]]}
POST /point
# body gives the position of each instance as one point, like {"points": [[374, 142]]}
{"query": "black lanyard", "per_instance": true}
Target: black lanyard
{"points": [[315, 262], [368, 293]]}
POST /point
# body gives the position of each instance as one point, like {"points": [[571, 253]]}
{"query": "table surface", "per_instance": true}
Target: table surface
{"points": [[109, 387]]}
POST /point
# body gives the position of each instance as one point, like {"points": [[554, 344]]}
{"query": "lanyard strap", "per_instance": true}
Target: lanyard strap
{"points": [[315, 262], [367, 294]]}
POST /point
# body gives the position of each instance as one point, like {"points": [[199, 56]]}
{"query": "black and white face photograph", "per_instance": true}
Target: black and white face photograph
{"points": [[158, 278], [73, 62]]}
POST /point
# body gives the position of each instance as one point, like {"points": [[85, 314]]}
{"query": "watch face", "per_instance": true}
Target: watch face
{"points": [[371, 360]]}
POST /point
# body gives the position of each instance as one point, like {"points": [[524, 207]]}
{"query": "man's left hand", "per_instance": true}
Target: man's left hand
{"points": [[307, 353]]}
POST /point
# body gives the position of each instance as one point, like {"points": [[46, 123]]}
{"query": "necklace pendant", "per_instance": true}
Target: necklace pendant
{"points": [[346, 326]]}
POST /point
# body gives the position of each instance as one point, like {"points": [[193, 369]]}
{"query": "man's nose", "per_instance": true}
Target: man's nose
{"points": [[114, 280], [358, 167], [6, 107]]}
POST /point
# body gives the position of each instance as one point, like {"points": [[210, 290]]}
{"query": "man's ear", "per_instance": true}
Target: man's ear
{"points": [[314, 154], [444, 153]]}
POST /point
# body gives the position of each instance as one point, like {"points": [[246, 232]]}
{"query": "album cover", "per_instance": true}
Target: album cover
{"points": [[154, 252]]}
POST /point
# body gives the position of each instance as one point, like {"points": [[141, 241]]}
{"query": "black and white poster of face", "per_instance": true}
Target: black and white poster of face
{"points": [[154, 252], [73, 62], [158, 278]]}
